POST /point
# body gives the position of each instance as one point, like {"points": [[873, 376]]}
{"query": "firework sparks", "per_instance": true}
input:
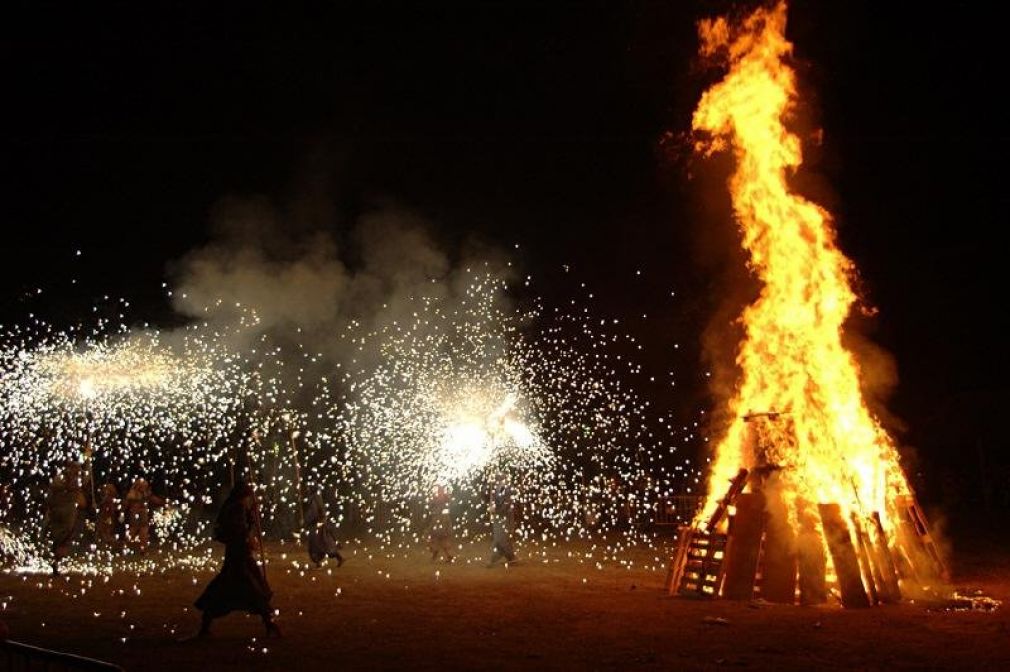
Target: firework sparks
{"points": [[130, 405], [461, 388], [471, 387], [472, 438]]}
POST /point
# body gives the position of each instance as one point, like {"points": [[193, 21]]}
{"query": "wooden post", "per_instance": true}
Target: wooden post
{"points": [[778, 565], [744, 547], [811, 561], [843, 554]]}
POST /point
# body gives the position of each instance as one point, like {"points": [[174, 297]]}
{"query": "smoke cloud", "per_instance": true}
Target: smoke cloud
{"points": [[290, 275]]}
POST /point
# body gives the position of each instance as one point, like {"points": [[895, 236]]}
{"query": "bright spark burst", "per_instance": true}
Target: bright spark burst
{"points": [[468, 388], [473, 437]]}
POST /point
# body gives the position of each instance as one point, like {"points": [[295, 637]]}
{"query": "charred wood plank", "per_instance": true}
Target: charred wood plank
{"points": [[843, 555], [744, 547], [811, 560], [778, 562]]}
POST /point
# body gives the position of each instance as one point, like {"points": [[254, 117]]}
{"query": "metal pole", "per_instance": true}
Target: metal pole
{"points": [[89, 453], [256, 506]]}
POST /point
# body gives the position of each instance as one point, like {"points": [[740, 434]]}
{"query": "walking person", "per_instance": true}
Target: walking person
{"points": [[108, 516], [320, 537], [241, 584], [440, 519], [500, 510]]}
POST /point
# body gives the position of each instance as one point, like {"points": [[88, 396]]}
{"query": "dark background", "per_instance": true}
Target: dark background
{"points": [[558, 126]]}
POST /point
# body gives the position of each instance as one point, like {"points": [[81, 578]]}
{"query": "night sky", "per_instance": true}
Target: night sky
{"points": [[557, 126]]}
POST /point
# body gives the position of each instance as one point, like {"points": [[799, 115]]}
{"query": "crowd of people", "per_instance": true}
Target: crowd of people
{"points": [[118, 522], [124, 524]]}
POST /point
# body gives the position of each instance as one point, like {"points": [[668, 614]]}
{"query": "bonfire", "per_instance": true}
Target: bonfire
{"points": [[807, 498]]}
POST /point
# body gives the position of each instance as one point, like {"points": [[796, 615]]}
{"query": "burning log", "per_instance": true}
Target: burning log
{"points": [[812, 562], [885, 561], [871, 575]]}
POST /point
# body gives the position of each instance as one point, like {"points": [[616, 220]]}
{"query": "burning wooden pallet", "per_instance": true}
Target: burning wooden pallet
{"points": [[761, 556], [922, 559], [696, 566]]}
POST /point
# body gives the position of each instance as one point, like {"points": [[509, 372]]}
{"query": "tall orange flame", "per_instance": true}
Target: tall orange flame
{"points": [[798, 406]]}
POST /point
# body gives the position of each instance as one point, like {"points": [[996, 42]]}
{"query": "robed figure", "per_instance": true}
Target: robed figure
{"points": [[240, 585], [320, 535]]}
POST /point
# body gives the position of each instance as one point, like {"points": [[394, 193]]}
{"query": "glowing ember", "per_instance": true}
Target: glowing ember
{"points": [[800, 419]]}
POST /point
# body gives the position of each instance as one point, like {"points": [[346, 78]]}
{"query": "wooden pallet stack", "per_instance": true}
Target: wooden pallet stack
{"points": [[761, 556]]}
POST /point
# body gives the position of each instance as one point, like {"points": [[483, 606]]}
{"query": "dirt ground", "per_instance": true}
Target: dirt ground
{"points": [[556, 609]]}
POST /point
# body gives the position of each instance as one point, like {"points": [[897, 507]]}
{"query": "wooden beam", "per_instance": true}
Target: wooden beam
{"points": [[811, 560], [843, 554], [746, 530], [778, 561]]}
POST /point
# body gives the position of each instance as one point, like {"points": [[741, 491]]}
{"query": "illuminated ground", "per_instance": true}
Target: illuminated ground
{"points": [[398, 614]]}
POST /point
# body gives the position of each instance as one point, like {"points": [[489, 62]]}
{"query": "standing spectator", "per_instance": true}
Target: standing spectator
{"points": [[139, 501]]}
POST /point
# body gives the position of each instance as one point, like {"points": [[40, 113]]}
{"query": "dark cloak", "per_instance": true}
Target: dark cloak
{"points": [[240, 585]]}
